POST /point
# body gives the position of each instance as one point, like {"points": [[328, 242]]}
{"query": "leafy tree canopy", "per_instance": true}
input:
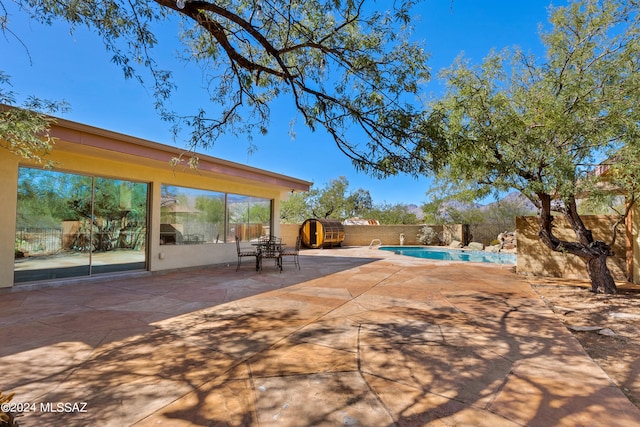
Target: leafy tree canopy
{"points": [[392, 214], [330, 201], [336, 201], [294, 210], [347, 67], [24, 131], [545, 126]]}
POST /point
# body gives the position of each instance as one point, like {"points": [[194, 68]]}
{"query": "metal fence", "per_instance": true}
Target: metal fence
{"points": [[38, 240]]}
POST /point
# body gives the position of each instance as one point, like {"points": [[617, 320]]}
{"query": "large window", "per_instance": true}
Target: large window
{"points": [[74, 225], [190, 216], [249, 217]]}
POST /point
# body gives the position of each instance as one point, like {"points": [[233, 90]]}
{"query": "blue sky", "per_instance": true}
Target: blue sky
{"points": [[76, 67]]}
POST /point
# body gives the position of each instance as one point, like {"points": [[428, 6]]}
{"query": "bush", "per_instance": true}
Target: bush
{"points": [[6, 418], [428, 236]]}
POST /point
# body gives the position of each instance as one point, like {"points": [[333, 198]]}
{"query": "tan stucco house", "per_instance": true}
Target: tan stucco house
{"points": [[114, 204]]}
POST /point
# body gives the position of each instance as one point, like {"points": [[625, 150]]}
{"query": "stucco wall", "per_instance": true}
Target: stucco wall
{"points": [[535, 259], [9, 197], [181, 255], [362, 235], [289, 233], [82, 158]]}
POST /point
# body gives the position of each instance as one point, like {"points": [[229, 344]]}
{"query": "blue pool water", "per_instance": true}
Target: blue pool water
{"points": [[451, 254]]}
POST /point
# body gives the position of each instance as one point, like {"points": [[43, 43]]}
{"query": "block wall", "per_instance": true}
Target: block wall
{"points": [[362, 235], [535, 259]]}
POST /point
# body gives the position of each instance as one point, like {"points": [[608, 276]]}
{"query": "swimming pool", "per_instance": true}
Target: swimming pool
{"points": [[451, 254]]}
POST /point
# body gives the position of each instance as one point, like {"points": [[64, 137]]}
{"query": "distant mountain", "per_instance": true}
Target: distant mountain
{"points": [[515, 198], [416, 210]]}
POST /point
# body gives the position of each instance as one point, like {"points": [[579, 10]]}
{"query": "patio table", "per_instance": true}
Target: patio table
{"points": [[268, 248]]}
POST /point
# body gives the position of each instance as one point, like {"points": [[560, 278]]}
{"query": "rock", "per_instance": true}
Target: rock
{"points": [[631, 316], [455, 244], [599, 329], [563, 310], [585, 328], [349, 421], [608, 332], [508, 240], [476, 246]]}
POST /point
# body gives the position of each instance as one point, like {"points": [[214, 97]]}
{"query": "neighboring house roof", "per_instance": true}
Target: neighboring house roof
{"points": [[602, 170], [360, 221], [176, 208]]}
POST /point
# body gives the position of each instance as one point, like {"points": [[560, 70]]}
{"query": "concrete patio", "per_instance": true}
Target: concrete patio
{"points": [[358, 337]]}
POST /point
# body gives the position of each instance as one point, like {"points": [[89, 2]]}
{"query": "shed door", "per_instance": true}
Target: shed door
{"points": [[313, 233]]}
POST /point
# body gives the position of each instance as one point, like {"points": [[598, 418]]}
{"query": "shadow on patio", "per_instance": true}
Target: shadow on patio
{"points": [[346, 341]]}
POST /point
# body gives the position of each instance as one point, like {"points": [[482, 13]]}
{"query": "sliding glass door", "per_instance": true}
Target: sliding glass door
{"points": [[71, 225]]}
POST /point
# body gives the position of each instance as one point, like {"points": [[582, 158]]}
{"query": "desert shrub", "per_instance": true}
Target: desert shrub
{"points": [[6, 418], [428, 236]]}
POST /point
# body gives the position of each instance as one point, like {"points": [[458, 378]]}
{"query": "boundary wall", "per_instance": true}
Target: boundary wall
{"points": [[535, 259], [362, 235]]}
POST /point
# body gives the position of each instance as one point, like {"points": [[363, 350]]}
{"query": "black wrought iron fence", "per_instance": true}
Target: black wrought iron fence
{"points": [[38, 241], [487, 232]]}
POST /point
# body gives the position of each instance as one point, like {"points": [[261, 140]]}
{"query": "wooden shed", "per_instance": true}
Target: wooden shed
{"points": [[322, 233]]}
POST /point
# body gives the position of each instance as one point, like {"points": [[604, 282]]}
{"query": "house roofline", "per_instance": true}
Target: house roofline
{"points": [[91, 136]]}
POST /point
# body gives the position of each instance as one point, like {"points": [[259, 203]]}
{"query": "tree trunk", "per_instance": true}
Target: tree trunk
{"points": [[594, 253], [601, 280]]}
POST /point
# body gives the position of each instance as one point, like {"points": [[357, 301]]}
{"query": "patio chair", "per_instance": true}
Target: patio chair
{"points": [[292, 253], [270, 248], [245, 253]]}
